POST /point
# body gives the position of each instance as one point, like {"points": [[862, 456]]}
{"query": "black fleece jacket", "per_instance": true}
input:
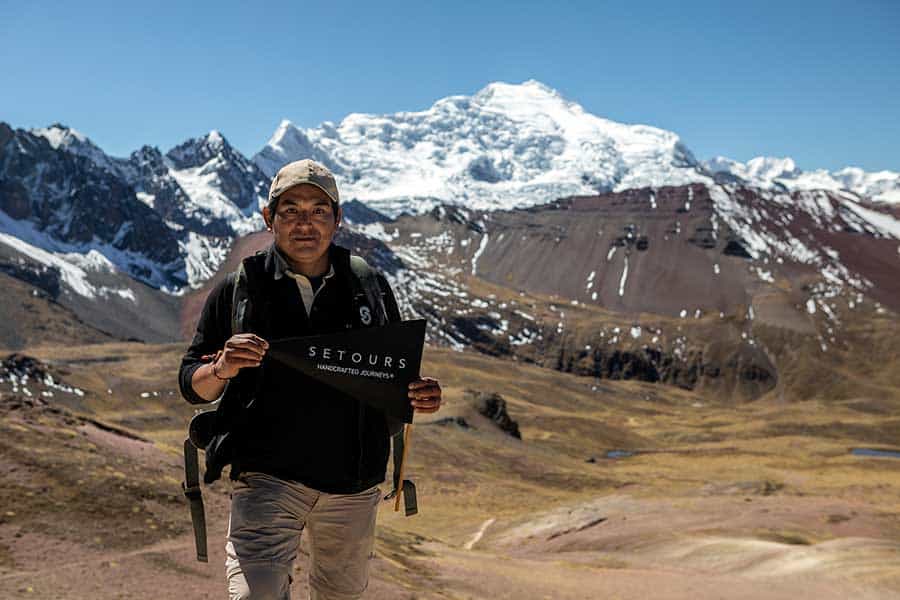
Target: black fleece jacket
{"points": [[298, 428]]}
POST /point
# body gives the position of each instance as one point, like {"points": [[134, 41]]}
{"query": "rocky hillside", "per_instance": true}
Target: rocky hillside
{"points": [[701, 287]]}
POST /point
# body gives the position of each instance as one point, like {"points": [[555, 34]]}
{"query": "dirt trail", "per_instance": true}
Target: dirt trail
{"points": [[486, 575], [471, 543]]}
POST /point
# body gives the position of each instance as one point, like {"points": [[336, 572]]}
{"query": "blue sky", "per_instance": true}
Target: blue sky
{"points": [[817, 81]]}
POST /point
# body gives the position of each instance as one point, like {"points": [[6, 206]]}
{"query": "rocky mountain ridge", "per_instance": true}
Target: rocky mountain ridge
{"points": [[632, 283], [698, 287], [505, 146], [689, 285]]}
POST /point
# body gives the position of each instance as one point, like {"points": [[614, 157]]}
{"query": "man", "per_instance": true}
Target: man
{"points": [[305, 455]]}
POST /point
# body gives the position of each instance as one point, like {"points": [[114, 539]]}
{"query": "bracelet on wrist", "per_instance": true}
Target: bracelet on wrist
{"points": [[216, 373]]}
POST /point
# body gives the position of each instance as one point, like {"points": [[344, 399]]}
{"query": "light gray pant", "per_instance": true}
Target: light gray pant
{"points": [[267, 516]]}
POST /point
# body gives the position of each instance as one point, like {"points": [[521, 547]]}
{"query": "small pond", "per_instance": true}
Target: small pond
{"points": [[875, 452], [619, 454]]}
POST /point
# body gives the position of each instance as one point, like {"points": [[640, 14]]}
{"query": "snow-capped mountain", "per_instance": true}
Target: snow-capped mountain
{"points": [[772, 173], [103, 236], [506, 146], [204, 183], [73, 141], [518, 145], [170, 219], [205, 191], [218, 178], [66, 203]]}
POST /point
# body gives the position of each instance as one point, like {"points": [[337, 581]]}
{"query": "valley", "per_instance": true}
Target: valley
{"points": [[761, 497], [663, 376]]}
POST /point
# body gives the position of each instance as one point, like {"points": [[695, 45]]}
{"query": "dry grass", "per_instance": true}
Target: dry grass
{"points": [[776, 470]]}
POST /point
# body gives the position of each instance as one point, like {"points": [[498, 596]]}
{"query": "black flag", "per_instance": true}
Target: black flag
{"points": [[375, 364]]}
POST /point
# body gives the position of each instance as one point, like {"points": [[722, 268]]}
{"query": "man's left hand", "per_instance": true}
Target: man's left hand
{"points": [[425, 395]]}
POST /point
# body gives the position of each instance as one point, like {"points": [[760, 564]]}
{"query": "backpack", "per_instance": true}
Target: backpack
{"points": [[214, 430]]}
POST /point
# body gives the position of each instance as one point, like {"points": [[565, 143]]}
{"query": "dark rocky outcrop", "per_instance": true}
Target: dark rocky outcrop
{"points": [[748, 372], [493, 406], [458, 421], [475, 330], [147, 172], [611, 364], [376, 252], [22, 365], [736, 248], [42, 277], [454, 214], [358, 213]]}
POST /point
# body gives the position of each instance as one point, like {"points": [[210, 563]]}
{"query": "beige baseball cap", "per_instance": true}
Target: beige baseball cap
{"points": [[304, 171]]}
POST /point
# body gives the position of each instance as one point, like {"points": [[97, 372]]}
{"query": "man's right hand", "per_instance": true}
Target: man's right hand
{"points": [[241, 350]]}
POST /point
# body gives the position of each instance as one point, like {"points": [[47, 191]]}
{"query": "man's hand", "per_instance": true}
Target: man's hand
{"points": [[425, 394], [241, 350]]}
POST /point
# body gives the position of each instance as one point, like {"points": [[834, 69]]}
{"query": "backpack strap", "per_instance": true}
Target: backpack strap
{"points": [[240, 300], [246, 299], [209, 428], [191, 487], [249, 283], [366, 282]]}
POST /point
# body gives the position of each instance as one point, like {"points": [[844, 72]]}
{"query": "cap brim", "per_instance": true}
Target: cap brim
{"points": [[273, 195]]}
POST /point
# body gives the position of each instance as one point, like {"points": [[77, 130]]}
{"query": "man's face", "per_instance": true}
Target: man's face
{"points": [[303, 224]]}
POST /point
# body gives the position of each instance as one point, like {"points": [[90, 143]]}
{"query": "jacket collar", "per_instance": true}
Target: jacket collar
{"points": [[276, 264]]}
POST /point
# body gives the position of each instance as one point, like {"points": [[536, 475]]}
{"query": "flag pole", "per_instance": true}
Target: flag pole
{"points": [[406, 429]]}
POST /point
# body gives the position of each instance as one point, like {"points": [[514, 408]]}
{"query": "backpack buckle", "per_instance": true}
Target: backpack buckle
{"points": [[191, 492]]}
